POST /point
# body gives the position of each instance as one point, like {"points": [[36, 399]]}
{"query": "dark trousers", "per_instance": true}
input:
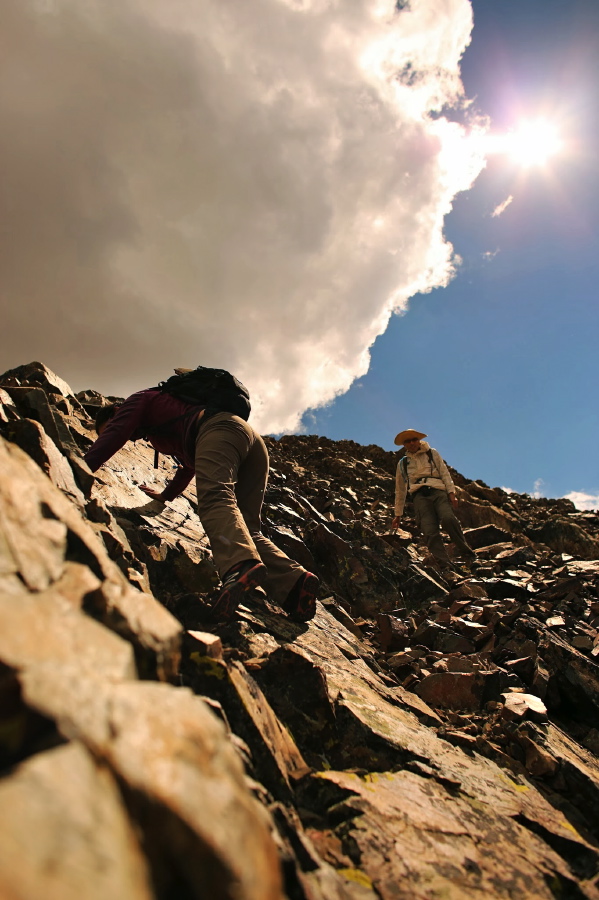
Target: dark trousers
{"points": [[231, 463], [434, 512]]}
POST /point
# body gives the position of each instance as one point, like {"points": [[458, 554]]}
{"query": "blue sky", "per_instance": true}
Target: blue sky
{"points": [[500, 367]]}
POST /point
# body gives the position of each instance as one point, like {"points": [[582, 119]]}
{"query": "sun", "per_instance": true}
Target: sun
{"points": [[532, 143]]}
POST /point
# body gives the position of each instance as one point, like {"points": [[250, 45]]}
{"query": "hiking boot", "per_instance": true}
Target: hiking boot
{"points": [[300, 603], [245, 576]]}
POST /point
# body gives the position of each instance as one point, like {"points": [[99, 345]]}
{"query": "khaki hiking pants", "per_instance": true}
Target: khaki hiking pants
{"points": [[433, 512], [231, 463]]}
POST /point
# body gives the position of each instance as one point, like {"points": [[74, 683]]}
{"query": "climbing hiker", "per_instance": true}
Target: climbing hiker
{"points": [[423, 476], [230, 463]]}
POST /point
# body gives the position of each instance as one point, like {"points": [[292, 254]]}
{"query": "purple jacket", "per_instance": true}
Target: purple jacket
{"points": [[140, 413]]}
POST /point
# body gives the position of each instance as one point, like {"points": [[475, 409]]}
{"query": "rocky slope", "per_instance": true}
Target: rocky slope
{"points": [[417, 740]]}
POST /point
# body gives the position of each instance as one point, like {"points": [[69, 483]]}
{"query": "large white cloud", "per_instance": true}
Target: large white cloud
{"points": [[583, 501], [253, 185]]}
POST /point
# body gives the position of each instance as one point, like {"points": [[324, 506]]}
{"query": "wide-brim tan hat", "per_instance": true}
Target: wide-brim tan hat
{"points": [[403, 436]]}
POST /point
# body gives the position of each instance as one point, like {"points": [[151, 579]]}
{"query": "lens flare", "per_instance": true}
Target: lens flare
{"points": [[533, 143]]}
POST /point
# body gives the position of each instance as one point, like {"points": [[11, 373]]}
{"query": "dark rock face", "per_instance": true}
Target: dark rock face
{"points": [[565, 536], [419, 739]]}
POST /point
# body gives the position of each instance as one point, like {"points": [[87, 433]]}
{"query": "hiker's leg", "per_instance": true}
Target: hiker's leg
{"points": [[451, 524], [223, 444], [426, 517], [251, 484]]}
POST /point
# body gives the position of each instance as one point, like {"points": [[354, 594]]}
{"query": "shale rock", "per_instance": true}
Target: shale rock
{"points": [[420, 738]]}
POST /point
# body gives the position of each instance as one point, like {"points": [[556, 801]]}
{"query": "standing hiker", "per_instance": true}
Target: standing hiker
{"points": [[230, 463], [423, 476]]}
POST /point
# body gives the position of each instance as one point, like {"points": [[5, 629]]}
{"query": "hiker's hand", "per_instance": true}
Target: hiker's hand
{"points": [[151, 492], [395, 522], [453, 500]]}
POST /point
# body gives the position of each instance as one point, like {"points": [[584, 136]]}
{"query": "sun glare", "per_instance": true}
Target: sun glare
{"points": [[533, 143]]}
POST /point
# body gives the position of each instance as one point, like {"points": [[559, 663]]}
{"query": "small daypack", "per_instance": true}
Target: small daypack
{"points": [[215, 389]]}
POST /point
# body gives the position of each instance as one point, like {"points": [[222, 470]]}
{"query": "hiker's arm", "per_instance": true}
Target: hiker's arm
{"points": [[174, 487], [400, 493], [117, 431], [151, 492], [178, 484]]}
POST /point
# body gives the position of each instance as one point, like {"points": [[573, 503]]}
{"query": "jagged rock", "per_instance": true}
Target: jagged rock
{"points": [[34, 403], [398, 538], [49, 628], [483, 491], [538, 762], [573, 681], [252, 718], [453, 844], [347, 569], [290, 544], [589, 569], [201, 643], [382, 760], [453, 690], [204, 833], [578, 769], [65, 833], [392, 632], [475, 514], [583, 642], [520, 706], [469, 590], [524, 668], [37, 374], [342, 616], [31, 437], [419, 587], [485, 536], [502, 588], [565, 537], [41, 532], [436, 637], [8, 411]]}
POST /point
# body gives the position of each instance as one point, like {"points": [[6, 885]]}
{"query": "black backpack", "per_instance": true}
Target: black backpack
{"points": [[215, 389]]}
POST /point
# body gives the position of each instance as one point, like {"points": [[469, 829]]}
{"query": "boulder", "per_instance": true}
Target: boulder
{"points": [[65, 832], [485, 536], [453, 690], [565, 536]]}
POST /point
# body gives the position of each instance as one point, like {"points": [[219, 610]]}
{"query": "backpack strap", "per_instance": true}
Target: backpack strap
{"points": [[403, 467], [163, 425]]}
